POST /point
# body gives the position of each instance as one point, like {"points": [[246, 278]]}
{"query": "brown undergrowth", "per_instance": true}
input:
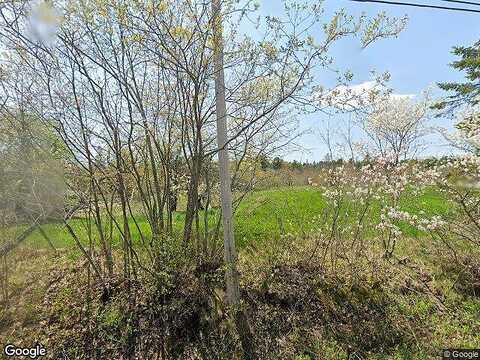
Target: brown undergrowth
{"points": [[298, 308]]}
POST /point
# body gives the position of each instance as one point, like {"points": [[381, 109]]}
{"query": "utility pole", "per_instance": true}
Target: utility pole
{"points": [[230, 253]]}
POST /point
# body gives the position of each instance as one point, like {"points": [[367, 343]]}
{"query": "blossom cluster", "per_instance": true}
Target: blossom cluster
{"points": [[381, 183], [420, 221]]}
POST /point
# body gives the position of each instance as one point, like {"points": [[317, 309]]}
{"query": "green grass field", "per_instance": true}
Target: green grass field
{"points": [[439, 314], [261, 215]]}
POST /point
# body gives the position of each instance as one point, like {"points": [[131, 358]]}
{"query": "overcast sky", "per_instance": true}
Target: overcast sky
{"points": [[418, 58]]}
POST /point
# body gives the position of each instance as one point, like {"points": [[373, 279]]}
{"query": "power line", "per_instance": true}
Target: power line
{"points": [[462, 2], [419, 5]]}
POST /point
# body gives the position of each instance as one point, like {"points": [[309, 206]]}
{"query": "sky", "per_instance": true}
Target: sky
{"points": [[417, 59]]}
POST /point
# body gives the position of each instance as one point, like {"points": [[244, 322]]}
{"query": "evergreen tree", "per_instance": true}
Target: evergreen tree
{"points": [[468, 92], [277, 163]]}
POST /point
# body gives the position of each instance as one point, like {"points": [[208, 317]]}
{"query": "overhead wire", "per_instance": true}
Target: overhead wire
{"points": [[422, 5], [462, 2]]}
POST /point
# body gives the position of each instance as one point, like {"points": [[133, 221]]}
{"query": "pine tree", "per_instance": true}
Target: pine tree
{"points": [[464, 93]]}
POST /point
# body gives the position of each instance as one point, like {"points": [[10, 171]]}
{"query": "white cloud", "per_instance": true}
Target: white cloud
{"points": [[352, 97]]}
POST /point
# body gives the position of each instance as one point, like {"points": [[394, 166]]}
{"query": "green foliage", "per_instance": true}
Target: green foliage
{"points": [[467, 92], [277, 163], [264, 163], [111, 316]]}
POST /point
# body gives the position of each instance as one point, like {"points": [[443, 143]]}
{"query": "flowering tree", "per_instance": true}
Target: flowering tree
{"points": [[366, 202], [395, 126], [467, 136]]}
